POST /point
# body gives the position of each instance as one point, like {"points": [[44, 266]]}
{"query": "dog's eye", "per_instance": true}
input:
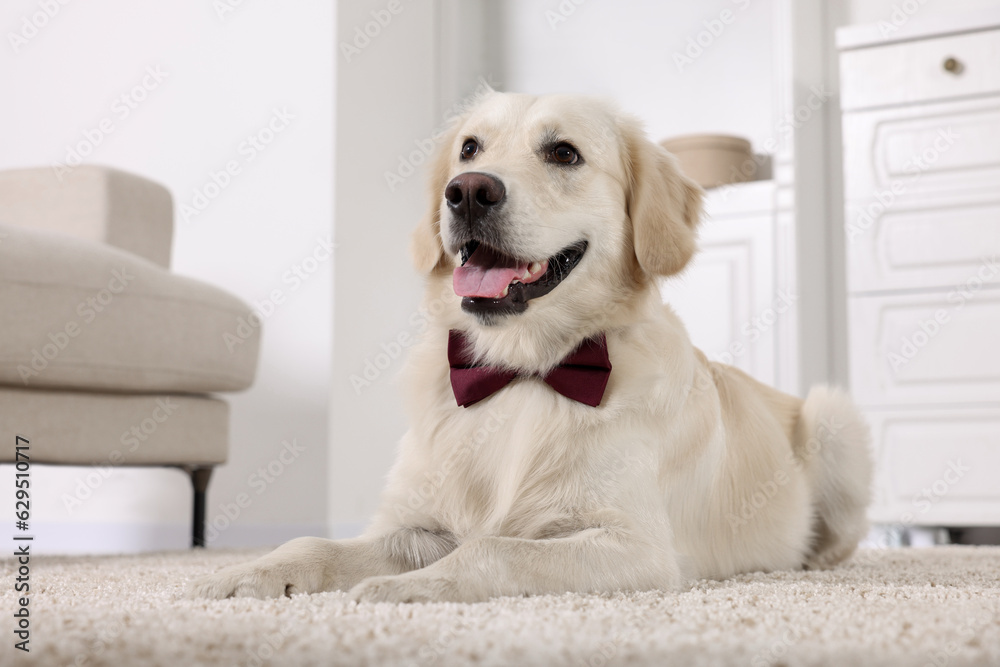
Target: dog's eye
{"points": [[565, 154], [469, 149]]}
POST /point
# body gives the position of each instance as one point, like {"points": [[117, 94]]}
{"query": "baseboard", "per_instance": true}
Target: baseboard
{"points": [[118, 538]]}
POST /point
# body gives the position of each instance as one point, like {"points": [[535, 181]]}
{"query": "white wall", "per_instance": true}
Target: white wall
{"points": [[224, 77], [387, 108], [634, 51]]}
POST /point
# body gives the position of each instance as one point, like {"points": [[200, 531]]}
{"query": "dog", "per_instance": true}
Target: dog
{"points": [[565, 433]]}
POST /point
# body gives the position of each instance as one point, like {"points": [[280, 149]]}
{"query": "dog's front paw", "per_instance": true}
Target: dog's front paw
{"points": [[240, 581], [411, 587], [251, 580]]}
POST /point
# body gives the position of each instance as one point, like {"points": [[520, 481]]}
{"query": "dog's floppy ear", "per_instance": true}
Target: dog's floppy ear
{"points": [[425, 244], [663, 204]]}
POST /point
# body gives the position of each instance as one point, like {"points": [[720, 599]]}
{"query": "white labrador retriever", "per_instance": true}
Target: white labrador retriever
{"points": [[551, 220]]}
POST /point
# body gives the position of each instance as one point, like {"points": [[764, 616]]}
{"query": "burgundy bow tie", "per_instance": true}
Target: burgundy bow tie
{"points": [[582, 376]]}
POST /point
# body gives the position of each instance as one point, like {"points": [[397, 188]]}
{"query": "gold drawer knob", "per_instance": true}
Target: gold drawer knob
{"points": [[952, 65]]}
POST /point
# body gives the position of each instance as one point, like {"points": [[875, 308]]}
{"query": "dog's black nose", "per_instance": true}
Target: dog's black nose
{"points": [[473, 194]]}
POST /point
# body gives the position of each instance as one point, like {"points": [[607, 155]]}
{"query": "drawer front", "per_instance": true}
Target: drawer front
{"points": [[921, 153], [727, 297], [918, 71], [905, 247], [928, 349], [936, 467]]}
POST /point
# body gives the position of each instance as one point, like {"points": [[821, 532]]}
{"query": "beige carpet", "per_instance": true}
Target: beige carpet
{"points": [[897, 607]]}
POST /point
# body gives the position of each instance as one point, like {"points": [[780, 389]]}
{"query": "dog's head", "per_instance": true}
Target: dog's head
{"points": [[552, 209]]}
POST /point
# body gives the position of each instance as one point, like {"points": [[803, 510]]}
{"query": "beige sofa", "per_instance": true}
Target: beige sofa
{"points": [[106, 357]]}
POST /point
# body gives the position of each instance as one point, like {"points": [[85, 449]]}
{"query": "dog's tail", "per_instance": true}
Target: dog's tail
{"points": [[833, 442]]}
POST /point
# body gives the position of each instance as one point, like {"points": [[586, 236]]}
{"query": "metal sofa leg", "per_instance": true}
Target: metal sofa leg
{"points": [[200, 477]]}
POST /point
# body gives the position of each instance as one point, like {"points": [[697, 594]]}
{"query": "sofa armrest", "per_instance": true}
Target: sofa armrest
{"points": [[93, 203]]}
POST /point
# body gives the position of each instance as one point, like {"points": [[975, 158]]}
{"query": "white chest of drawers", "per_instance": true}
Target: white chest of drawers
{"points": [[921, 136]]}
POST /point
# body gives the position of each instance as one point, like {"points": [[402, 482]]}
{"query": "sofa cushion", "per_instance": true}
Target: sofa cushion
{"points": [[93, 203], [76, 314], [78, 428]]}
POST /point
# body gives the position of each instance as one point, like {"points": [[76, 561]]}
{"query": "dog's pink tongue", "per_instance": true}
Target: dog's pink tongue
{"points": [[486, 274]]}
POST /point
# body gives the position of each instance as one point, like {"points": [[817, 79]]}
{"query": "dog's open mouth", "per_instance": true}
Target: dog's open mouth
{"points": [[492, 283]]}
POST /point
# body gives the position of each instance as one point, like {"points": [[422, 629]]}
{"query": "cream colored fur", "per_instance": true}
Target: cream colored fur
{"points": [[687, 469]]}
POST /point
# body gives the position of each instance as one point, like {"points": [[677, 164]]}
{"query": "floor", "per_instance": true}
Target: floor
{"points": [[938, 606]]}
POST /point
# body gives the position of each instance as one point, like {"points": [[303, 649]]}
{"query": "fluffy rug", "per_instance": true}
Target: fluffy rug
{"points": [[936, 607]]}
